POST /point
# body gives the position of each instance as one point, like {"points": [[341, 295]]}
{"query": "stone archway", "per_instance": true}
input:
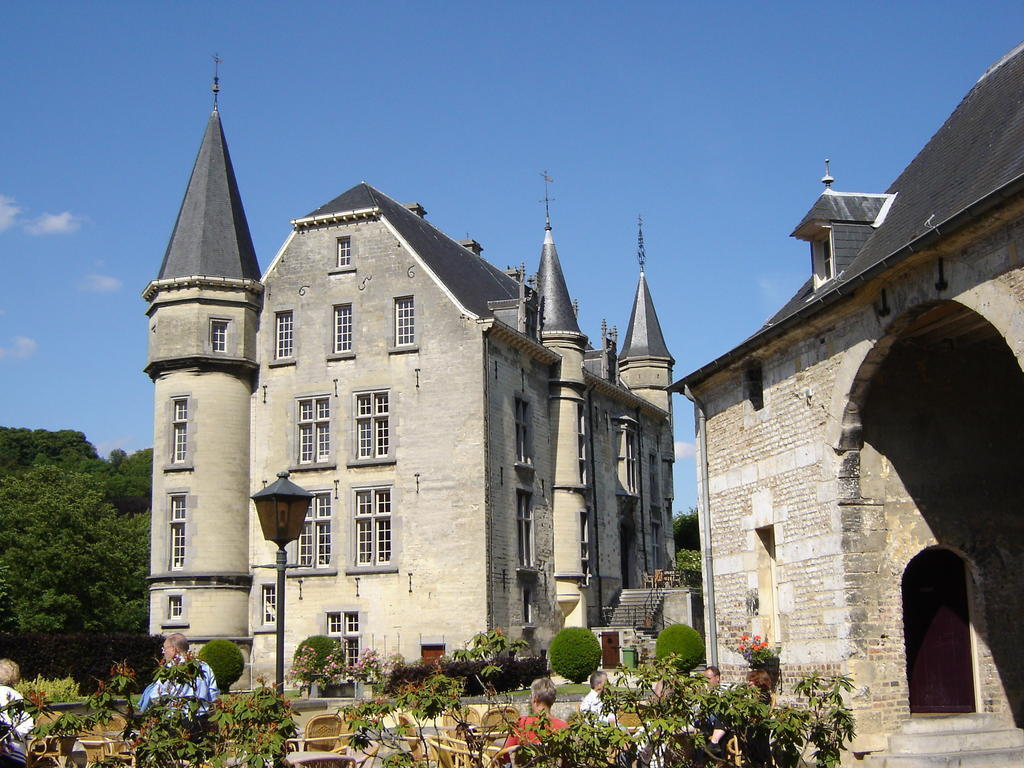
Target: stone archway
{"points": [[941, 413]]}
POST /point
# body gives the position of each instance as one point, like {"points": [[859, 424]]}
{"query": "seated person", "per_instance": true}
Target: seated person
{"points": [[14, 727], [592, 701], [714, 748], [542, 697]]}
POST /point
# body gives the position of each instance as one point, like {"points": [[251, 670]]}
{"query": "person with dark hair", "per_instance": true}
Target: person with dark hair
{"points": [[14, 726], [758, 748]]}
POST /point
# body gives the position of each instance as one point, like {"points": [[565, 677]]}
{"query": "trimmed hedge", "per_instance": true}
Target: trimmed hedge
{"points": [[684, 641], [575, 653], [226, 660], [322, 645], [84, 658], [515, 674]]}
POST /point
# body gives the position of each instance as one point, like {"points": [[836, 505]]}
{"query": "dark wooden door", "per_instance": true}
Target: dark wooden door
{"points": [[609, 650], [936, 628], [431, 654]]}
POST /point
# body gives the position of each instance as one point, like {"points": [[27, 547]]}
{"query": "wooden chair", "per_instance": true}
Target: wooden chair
{"points": [[323, 733], [499, 719], [733, 753], [455, 753]]}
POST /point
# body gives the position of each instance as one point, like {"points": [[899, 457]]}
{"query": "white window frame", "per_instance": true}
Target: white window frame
{"points": [[351, 637], [175, 607], [268, 604], [524, 452], [524, 529], [342, 328], [344, 253], [313, 427], [823, 258], [581, 439], [284, 335], [585, 542], [179, 430], [315, 543], [527, 606], [177, 549], [218, 335], [373, 529], [335, 623], [405, 321], [373, 424]]}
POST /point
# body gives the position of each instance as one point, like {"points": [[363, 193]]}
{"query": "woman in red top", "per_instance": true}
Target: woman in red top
{"points": [[542, 696]]}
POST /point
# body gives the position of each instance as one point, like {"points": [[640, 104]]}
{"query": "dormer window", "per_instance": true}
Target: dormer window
{"points": [[822, 261]]}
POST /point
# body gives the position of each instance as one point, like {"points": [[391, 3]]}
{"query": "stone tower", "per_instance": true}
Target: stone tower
{"points": [[203, 310], [561, 333], [645, 364]]}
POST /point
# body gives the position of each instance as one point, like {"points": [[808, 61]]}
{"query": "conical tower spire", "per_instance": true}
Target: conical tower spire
{"points": [[643, 337], [211, 235]]}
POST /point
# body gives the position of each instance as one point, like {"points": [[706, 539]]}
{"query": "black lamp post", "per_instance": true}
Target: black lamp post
{"points": [[281, 507]]}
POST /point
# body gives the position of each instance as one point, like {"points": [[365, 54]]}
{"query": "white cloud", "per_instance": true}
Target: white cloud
{"points": [[100, 284], [684, 450], [54, 224], [8, 212], [21, 347]]}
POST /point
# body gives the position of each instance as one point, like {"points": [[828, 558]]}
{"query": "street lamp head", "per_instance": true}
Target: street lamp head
{"points": [[281, 507]]}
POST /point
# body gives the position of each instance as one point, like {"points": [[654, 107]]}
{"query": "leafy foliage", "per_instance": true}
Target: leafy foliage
{"points": [[226, 660], [73, 563], [683, 644], [488, 646], [688, 568], [686, 530], [510, 674], [85, 658], [56, 690], [575, 653]]}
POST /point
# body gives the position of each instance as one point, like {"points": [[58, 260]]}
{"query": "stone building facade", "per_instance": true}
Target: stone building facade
{"points": [[858, 458], [476, 462]]}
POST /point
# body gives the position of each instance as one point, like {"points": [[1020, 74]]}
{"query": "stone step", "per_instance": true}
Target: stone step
{"points": [[971, 721], [955, 741], [982, 758]]}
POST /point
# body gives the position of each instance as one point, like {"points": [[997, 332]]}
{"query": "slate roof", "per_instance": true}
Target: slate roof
{"points": [[841, 206], [644, 337], [973, 162], [211, 236], [471, 279], [556, 306]]}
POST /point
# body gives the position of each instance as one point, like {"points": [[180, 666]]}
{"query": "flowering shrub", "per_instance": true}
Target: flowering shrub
{"points": [[372, 668], [756, 650], [312, 664]]}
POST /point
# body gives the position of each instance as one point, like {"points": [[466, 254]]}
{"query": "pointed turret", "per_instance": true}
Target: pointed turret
{"points": [[211, 236], [556, 307], [644, 337]]}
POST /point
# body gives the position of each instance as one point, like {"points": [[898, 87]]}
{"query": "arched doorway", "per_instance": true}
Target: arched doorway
{"points": [[936, 629]]}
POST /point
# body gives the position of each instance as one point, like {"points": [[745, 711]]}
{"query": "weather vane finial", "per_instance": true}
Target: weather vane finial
{"points": [[641, 255], [827, 178], [216, 78], [547, 200]]}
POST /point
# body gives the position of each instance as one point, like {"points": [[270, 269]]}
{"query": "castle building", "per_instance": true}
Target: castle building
{"points": [[859, 472], [475, 462]]}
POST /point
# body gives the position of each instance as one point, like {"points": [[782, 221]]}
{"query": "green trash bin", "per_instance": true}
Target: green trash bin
{"points": [[629, 658]]}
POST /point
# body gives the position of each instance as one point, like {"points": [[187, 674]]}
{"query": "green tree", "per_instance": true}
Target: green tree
{"points": [[685, 530], [74, 564]]}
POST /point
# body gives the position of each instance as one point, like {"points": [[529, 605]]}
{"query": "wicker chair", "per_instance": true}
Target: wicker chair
{"points": [[499, 719], [323, 733]]}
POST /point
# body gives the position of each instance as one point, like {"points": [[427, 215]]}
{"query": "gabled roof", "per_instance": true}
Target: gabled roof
{"points": [[557, 313], [211, 236], [833, 207], [472, 280], [644, 337], [972, 163]]}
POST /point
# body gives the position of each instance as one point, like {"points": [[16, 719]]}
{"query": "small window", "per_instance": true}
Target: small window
{"points": [[585, 542], [656, 538], [178, 520], [219, 335], [581, 440], [753, 384], [351, 639], [524, 528], [315, 539], [342, 328], [314, 424], [335, 623], [822, 259], [179, 448], [405, 322], [175, 607], [524, 453], [284, 329], [344, 252], [268, 603], [629, 438], [373, 527], [527, 606]]}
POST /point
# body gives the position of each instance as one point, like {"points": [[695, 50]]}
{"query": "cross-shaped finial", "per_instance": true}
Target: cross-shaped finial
{"points": [[547, 200], [216, 78], [641, 255]]}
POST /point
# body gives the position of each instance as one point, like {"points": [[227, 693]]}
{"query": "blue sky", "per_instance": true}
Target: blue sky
{"points": [[711, 120]]}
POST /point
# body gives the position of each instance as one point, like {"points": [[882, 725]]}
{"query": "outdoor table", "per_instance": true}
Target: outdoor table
{"points": [[319, 759]]}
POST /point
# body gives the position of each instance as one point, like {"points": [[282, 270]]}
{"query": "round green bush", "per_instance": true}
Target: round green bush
{"points": [[226, 660], [575, 653], [322, 647], [683, 641]]}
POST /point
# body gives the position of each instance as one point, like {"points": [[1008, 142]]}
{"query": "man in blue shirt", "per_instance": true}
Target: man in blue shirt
{"points": [[202, 689]]}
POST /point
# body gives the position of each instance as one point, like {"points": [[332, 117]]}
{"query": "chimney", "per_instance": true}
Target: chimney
{"points": [[472, 245], [416, 208]]}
